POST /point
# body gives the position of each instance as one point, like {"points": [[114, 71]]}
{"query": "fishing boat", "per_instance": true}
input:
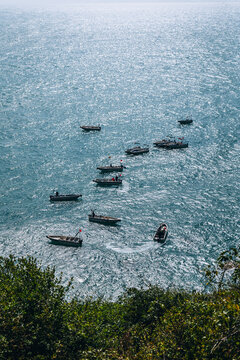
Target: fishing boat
{"points": [[163, 143], [128, 151], [90, 128], [111, 168], [65, 240], [161, 233], [137, 150], [115, 181], [176, 145], [68, 197], [186, 121], [105, 220]]}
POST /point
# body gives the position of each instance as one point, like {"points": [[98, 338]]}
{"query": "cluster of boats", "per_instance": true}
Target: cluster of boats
{"points": [[186, 121], [93, 217], [162, 231], [168, 144], [75, 241]]}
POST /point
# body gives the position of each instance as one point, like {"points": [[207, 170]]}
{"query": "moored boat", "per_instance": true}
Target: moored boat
{"points": [[105, 220], [161, 233], [186, 121], [137, 150], [68, 197], [111, 168], [163, 143], [90, 128], [65, 240], [176, 145], [108, 182]]}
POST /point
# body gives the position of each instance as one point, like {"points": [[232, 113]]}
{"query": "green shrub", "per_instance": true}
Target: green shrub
{"points": [[38, 323]]}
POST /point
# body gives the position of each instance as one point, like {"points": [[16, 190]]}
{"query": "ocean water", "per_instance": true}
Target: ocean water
{"points": [[136, 69]]}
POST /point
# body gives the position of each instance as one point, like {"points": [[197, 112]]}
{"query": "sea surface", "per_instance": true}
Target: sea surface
{"points": [[135, 69]]}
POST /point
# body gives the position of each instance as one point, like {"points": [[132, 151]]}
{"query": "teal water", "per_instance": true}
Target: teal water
{"points": [[136, 70]]}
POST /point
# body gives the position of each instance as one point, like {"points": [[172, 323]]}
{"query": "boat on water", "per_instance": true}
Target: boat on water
{"points": [[90, 128], [137, 150], [68, 197], [65, 240], [163, 143], [105, 220], [161, 233], [185, 121], [111, 168], [176, 145], [115, 181]]}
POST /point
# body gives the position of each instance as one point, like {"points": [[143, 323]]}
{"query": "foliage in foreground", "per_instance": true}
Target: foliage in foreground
{"points": [[36, 321]]}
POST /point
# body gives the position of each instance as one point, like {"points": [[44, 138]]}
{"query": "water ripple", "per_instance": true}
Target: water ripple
{"points": [[135, 72]]}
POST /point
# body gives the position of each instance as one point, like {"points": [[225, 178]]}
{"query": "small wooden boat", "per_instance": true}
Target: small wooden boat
{"points": [[90, 128], [163, 143], [176, 145], [65, 240], [108, 182], [105, 220], [186, 121], [128, 151], [111, 168], [68, 197], [161, 233], [137, 150]]}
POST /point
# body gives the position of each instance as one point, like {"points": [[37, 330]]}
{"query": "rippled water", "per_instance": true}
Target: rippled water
{"points": [[136, 70]]}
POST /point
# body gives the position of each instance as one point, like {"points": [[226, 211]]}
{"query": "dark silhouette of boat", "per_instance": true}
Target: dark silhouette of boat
{"points": [[68, 197], [105, 220], [111, 168], [163, 143], [176, 145], [65, 240], [90, 128], [186, 121], [115, 181], [137, 150], [161, 233]]}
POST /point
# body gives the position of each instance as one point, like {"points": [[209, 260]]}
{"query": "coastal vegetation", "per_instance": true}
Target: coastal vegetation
{"points": [[38, 322]]}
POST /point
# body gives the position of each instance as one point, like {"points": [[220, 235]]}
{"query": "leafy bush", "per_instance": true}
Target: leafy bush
{"points": [[37, 322], [32, 310]]}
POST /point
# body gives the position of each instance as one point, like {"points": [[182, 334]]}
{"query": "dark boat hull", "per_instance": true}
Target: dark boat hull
{"points": [[185, 122], [134, 148], [65, 240], [70, 197], [91, 128], [105, 220], [162, 143], [109, 182], [137, 151], [110, 168], [176, 146], [161, 235]]}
